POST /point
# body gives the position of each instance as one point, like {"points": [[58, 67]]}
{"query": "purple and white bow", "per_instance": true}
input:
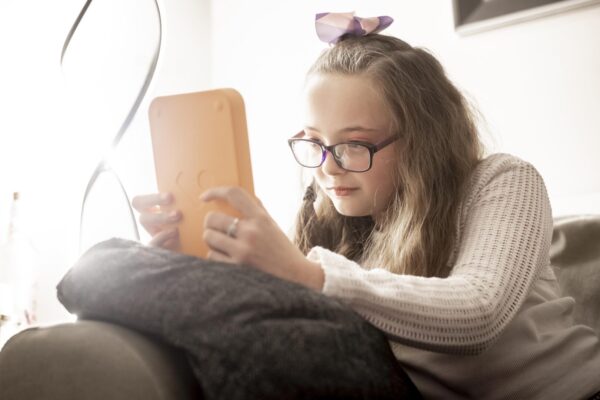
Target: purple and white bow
{"points": [[331, 27]]}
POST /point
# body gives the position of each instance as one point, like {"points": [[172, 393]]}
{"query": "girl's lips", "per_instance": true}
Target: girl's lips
{"points": [[342, 191]]}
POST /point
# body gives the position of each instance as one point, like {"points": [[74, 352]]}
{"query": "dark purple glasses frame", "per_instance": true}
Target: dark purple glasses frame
{"points": [[372, 148]]}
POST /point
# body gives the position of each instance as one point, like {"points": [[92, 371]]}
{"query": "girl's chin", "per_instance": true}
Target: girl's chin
{"points": [[349, 211]]}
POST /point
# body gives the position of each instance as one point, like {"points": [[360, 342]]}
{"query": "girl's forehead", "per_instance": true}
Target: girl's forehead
{"points": [[335, 101]]}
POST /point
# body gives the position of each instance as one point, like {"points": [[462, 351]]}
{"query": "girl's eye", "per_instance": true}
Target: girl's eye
{"points": [[354, 146]]}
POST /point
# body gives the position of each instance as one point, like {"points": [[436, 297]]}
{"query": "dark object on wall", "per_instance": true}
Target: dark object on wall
{"points": [[472, 16]]}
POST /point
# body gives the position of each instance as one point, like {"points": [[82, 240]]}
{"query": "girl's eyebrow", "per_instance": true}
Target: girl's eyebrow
{"points": [[348, 129]]}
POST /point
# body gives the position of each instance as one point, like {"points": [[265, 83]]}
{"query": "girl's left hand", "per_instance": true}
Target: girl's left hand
{"points": [[255, 239]]}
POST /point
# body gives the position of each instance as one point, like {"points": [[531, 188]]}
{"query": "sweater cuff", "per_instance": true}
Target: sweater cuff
{"points": [[339, 272]]}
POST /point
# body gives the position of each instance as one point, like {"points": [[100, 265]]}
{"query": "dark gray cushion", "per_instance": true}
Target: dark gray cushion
{"points": [[247, 334], [575, 256]]}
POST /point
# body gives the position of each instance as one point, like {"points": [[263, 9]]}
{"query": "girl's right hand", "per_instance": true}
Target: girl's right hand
{"points": [[156, 221]]}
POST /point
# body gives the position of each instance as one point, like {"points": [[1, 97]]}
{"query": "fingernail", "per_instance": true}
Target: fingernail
{"points": [[165, 196]]}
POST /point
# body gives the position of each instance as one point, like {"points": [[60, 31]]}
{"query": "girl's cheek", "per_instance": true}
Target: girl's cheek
{"points": [[317, 175]]}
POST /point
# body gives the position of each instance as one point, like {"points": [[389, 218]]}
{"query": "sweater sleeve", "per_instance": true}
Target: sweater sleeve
{"points": [[504, 239]]}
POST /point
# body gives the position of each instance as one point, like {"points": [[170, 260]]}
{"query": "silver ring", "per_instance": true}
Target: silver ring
{"points": [[232, 228]]}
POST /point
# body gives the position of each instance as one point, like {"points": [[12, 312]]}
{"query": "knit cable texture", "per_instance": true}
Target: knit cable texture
{"points": [[502, 244]]}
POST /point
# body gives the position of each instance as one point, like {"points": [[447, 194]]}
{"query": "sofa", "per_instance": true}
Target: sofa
{"points": [[98, 360]]}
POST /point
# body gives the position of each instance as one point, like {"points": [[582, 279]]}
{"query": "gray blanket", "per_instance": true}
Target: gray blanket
{"points": [[247, 334]]}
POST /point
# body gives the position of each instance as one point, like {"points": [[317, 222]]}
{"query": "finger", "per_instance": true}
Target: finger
{"points": [[237, 197], [171, 244], [219, 241], [155, 223], [150, 201], [218, 256], [161, 238], [218, 221], [160, 218]]}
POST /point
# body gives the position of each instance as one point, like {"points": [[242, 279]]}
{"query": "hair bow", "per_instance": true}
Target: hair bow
{"points": [[331, 27]]}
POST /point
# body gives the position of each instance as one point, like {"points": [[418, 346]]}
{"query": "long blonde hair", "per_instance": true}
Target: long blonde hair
{"points": [[440, 149]]}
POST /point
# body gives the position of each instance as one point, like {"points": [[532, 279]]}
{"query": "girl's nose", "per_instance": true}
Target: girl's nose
{"points": [[330, 167]]}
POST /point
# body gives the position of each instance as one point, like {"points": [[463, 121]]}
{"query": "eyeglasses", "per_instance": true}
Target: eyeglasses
{"points": [[351, 156]]}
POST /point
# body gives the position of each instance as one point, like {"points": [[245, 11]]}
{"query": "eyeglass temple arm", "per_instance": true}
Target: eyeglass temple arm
{"points": [[387, 141]]}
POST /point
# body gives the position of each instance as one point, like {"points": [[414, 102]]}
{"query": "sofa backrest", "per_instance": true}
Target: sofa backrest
{"points": [[575, 256]]}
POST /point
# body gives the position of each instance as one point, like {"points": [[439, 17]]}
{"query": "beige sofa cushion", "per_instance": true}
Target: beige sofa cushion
{"points": [[575, 256], [94, 361]]}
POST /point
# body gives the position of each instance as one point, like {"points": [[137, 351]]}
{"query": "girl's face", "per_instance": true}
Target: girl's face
{"points": [[342, 108]]}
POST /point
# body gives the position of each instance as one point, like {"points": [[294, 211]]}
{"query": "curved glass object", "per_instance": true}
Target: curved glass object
{"points": [[109, 59]]}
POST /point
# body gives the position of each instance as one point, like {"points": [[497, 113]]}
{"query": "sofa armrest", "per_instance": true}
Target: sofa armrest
{"points": [[92, 360]]}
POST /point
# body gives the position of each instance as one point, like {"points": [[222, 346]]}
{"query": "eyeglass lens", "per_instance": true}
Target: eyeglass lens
{"points": [[350, 156]]}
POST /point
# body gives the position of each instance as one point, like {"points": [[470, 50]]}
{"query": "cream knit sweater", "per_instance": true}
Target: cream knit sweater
{"points": [[497, 327]]}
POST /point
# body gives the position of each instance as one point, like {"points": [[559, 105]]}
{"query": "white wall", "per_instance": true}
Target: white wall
{"points": [[536, 83], [52, 135]]}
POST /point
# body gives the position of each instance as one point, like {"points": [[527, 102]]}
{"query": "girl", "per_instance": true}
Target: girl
{"points": [[444, 250]]}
